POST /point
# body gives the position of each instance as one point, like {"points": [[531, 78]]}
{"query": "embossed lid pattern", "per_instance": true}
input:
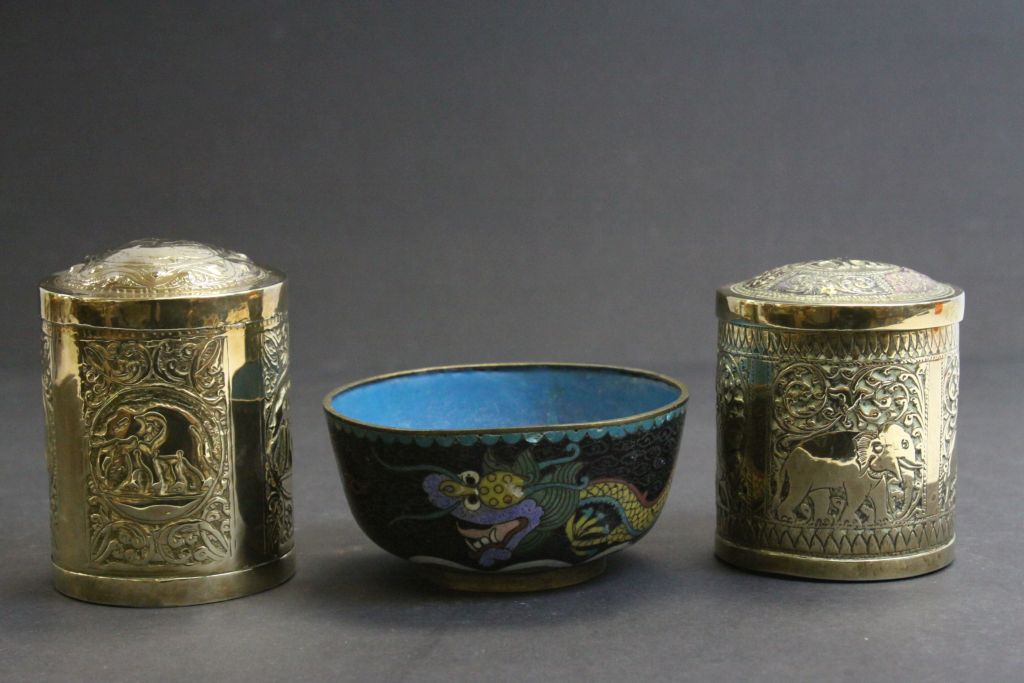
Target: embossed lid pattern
{"points": [[157, 268], [842, 293], [841, 280]]}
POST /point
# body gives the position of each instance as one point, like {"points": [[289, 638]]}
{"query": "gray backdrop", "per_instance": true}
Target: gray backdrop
{"points": [[494, 181]]}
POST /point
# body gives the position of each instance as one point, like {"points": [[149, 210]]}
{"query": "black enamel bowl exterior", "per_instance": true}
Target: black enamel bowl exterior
{"points": [[510, 502]]}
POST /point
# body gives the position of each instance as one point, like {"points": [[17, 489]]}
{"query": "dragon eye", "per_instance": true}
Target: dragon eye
{"points": [[470, 478], [471, 502], [904, 444], [877, 447]]}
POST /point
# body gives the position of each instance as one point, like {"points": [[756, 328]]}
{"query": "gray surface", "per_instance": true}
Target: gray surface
{"points": [[494, 182], [665, 610]]}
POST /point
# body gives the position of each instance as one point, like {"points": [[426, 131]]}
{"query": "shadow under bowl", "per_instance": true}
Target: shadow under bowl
{"points": [[507, 477]]}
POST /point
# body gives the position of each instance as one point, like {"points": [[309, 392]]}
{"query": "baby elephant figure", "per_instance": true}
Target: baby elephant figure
{"points": [[858, 464]]}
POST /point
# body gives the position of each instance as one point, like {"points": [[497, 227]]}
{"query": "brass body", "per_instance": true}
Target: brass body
{"points": [[167, 441], [837, 407]]}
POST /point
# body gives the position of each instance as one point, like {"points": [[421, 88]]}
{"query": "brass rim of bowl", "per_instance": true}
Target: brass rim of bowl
{"points": [[684, 396]]}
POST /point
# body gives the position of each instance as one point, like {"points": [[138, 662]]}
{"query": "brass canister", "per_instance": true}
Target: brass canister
{"points": [[165, 388], [837, 405]]}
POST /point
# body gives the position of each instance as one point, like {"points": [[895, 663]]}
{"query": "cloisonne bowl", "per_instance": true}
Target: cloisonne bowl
{"points": [[507, 477]]}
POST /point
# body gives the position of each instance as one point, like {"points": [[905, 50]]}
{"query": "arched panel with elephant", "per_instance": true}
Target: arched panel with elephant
{"points": [[847, 445]]}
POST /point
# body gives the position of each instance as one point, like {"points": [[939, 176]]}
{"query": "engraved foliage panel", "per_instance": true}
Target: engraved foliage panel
{"points": [[277, 454]]}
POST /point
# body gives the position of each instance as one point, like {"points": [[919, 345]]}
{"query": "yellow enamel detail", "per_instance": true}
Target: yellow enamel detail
{"points": [[586, 530], [501, 489]]}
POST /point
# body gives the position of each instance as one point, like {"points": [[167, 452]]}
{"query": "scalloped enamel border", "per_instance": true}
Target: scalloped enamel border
{"points": [[618, 431]]}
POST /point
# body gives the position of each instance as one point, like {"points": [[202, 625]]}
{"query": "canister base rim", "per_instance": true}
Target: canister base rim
{"points": [[173, 591], [829, 569]]}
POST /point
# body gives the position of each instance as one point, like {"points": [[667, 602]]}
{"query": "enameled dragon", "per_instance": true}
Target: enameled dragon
{"points": [[513, 508]]}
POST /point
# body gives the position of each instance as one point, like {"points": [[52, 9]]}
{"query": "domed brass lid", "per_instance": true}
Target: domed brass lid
{"points": [[157, 283], [156, 268], [842, 294]]}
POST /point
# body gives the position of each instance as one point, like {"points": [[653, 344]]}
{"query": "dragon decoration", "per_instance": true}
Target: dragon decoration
{"points": [[507, 509]]}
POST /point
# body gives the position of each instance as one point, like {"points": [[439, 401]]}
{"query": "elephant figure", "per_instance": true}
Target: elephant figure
{"points": [[855, 465], [130, 461]]}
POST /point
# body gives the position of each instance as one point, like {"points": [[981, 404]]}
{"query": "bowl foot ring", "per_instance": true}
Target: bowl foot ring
{"points": [[512, 582]]}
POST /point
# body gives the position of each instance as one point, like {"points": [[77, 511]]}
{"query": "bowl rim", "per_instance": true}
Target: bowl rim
{"points": [[678, 402]]}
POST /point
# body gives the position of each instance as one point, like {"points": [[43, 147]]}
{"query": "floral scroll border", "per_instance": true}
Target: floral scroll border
{"points": [[51, 433], [277, 446]]}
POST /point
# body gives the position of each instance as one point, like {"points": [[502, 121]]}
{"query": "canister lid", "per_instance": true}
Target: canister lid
{"points": [[158, 283], [842, 294]]}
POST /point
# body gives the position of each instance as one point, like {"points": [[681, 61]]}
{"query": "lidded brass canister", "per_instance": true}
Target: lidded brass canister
{"points": [[165, 388], [837, 392]]}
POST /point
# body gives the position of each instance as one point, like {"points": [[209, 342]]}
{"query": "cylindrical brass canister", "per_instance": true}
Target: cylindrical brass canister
{"points": [[165, 387], [837, 404]]}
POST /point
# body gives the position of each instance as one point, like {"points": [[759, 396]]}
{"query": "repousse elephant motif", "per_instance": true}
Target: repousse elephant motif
{"points": [[850, 471]]}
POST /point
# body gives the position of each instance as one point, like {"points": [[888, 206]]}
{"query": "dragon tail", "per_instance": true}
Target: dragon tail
{"points": [[610, 513]]}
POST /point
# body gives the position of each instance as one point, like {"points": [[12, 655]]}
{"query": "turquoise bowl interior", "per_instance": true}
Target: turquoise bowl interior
{"points": [[499, 398]]}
